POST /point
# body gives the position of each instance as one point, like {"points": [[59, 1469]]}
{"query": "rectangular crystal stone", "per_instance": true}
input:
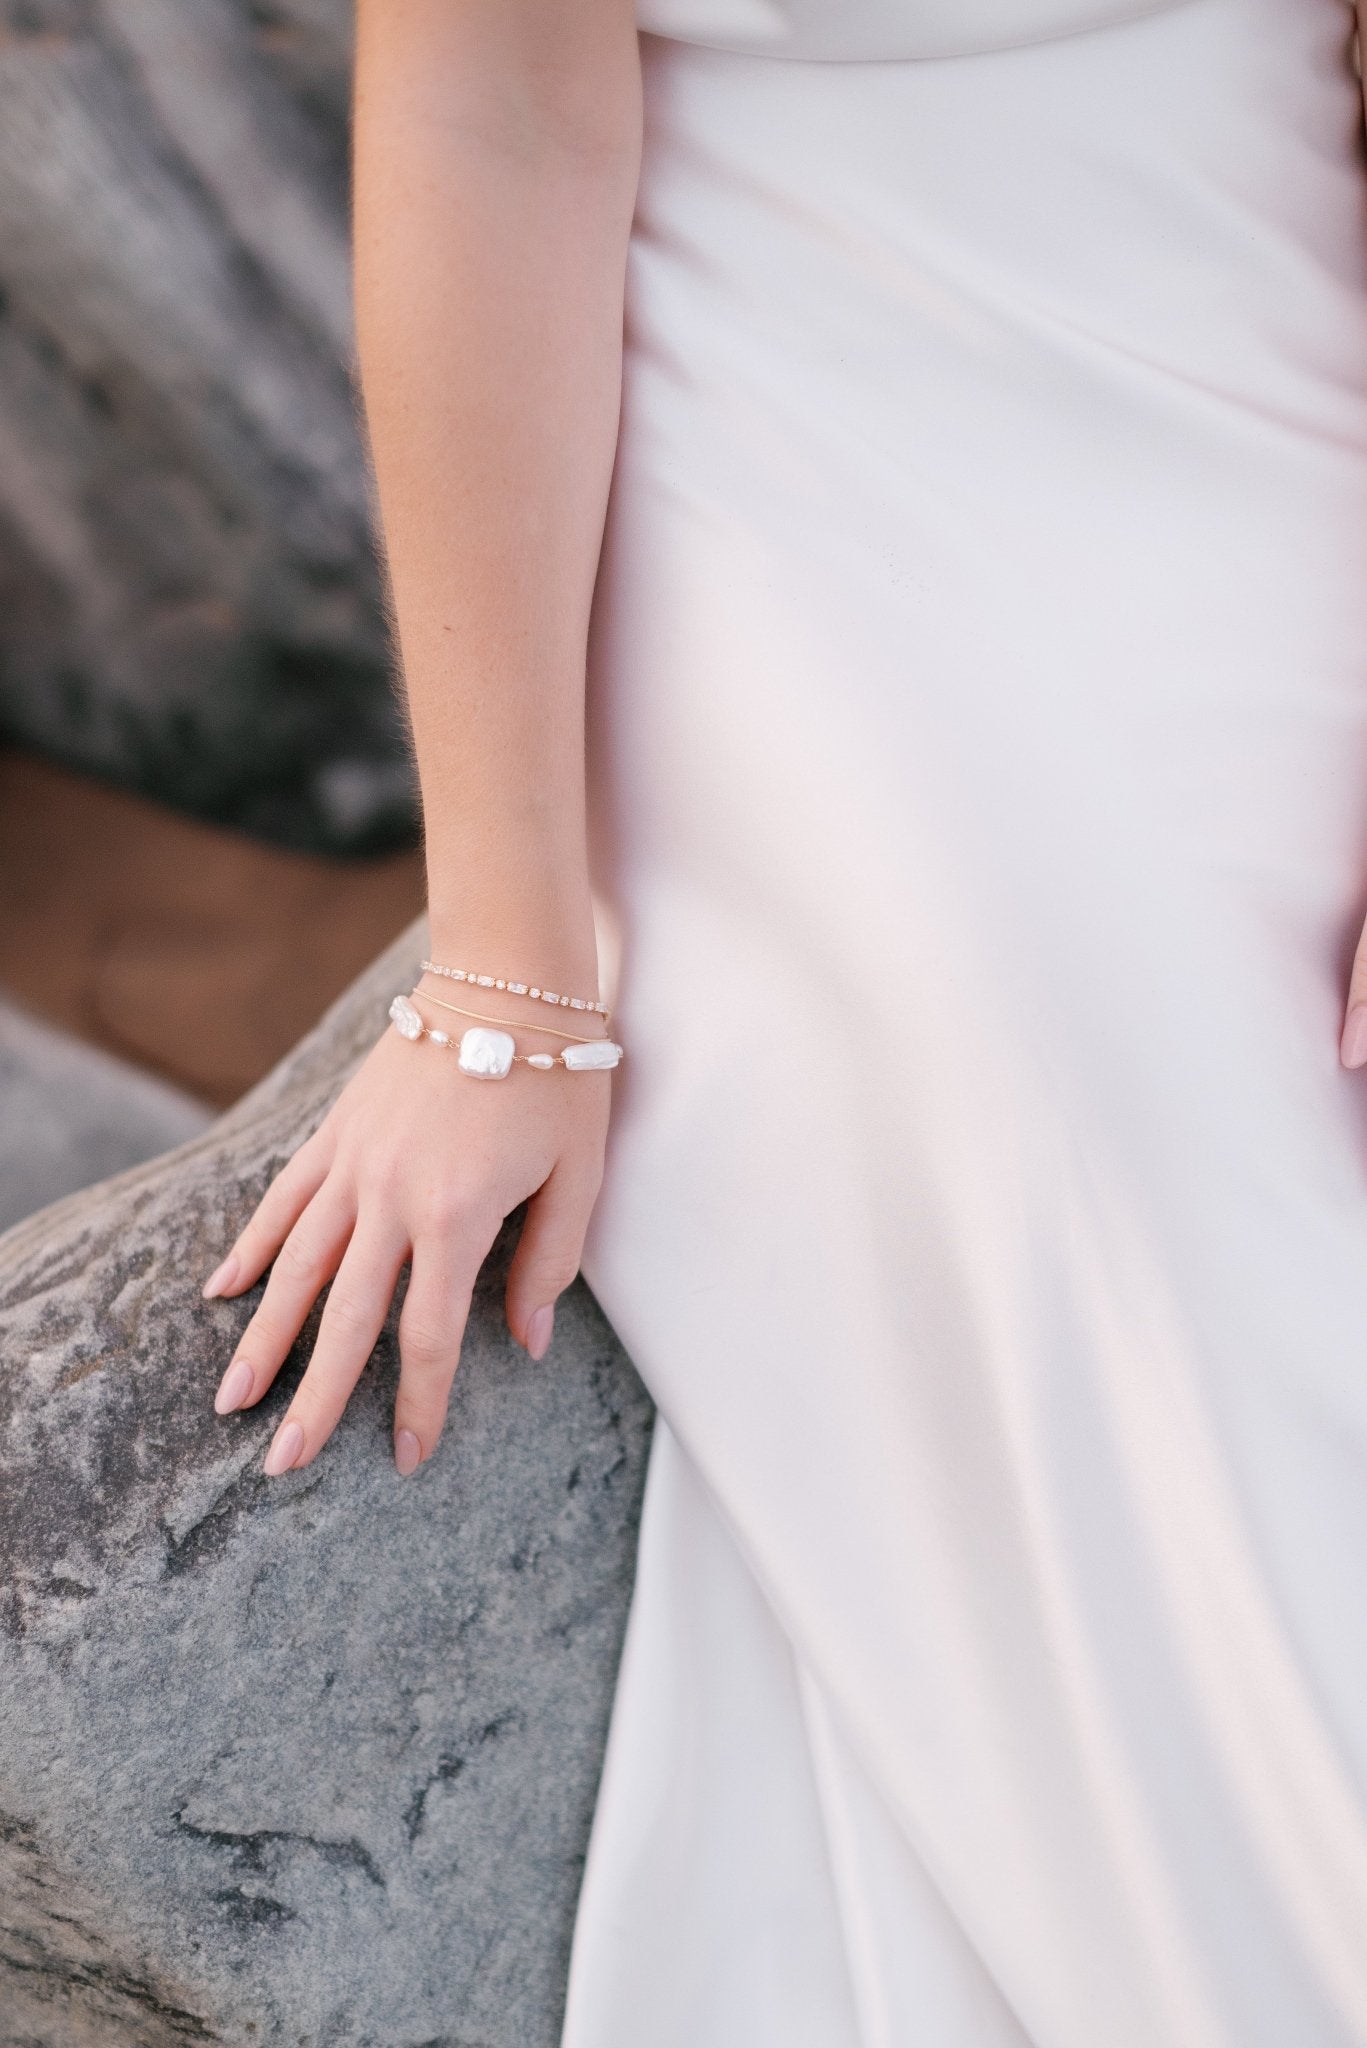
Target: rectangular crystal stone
{"points": [[601, 1052], [486, 1054]]}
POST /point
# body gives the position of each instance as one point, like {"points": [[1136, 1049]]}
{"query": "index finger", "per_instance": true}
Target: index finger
{"points": [[271, 1222]]}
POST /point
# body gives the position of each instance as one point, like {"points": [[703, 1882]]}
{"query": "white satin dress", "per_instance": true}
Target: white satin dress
{"points": [[978, 750]]}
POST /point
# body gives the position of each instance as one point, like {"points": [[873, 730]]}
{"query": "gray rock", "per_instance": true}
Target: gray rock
{"points": [[307, 1761], [71, 1114], [190, 596]]}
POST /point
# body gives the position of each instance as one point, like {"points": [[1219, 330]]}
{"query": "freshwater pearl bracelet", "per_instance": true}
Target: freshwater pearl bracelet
{"points": [[514, 988], [489, 1054]]}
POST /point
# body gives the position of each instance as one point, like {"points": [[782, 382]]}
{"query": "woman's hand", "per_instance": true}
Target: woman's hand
{"points": [[414, 1163]]}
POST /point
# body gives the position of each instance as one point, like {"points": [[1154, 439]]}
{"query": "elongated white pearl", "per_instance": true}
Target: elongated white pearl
{"points": [[405, 1018], [540, 1059], [599, 1052]]}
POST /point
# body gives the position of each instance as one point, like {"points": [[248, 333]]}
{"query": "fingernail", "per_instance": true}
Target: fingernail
{"points": [[287, 1444], [407, 1452], [1353, 1050], [223, 1277], [233, 1388], [539, 1331]]}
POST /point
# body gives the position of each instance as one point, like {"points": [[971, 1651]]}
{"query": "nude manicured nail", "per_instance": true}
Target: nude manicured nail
{"points": [[1353, 1050], [234, 1387], [407, 1453], [288, 1443], [539, 1331], [218, 1280]]}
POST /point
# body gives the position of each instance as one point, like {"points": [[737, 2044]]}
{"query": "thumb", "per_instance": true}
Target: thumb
{"points": [[548, 1252], [1353, 1044]]}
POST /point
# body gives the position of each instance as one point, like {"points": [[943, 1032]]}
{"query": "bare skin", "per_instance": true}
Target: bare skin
{"points": [[496, 155]]}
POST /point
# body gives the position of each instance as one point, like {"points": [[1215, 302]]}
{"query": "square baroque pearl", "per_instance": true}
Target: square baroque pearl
{"points": [[600, 1052], [486, 1054]]}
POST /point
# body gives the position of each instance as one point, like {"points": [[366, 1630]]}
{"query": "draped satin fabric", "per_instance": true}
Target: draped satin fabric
{"points": [[978, 760], [878, 29]]}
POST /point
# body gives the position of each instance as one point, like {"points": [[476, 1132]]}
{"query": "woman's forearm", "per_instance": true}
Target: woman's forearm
{"points": [[496, 151]]}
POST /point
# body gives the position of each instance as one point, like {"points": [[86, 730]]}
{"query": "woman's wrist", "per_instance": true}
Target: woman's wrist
{"points": [[545, 941], [508, 890]]}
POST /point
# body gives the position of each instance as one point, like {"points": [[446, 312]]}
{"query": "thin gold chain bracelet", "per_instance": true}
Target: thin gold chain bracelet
{"points": [[507, 1023]]}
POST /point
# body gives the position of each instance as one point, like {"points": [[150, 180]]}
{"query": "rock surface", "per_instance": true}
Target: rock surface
{"points": [[311, 1761], [71, 1115]]}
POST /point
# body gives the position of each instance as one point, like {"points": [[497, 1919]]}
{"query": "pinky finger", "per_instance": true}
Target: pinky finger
{"points": [[1353, 1037], [276, 1214]]}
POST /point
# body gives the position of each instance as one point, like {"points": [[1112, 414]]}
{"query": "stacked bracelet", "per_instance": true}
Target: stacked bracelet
{"points": [[514, 988], [488, 1052]]}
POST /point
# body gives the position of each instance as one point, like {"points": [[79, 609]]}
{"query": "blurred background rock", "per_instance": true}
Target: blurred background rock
{"points": [[207, 812]]}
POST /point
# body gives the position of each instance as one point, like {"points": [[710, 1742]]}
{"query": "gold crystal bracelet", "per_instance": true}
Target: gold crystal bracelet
{"points": [[514, 988]]}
